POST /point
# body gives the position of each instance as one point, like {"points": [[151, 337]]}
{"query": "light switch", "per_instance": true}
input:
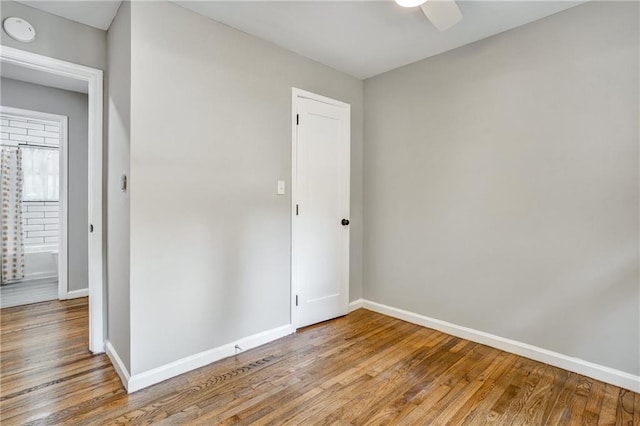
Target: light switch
{"points": [[280, 187]]}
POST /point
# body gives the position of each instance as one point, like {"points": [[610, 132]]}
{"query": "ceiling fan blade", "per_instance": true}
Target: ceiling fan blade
{"points": [[443, 14]]}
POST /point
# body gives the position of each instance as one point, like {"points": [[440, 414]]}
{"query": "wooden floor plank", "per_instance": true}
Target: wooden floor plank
{"points": [[609, 407], [364, 368], [460, 385], [624, 413]]}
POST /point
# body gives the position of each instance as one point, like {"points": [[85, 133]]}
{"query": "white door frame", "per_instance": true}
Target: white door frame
{"points": [[62, 120], [295, 95], [94, 78]]}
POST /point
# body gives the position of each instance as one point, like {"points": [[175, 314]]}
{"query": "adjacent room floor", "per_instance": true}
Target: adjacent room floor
{"points": [[362, 368], [23, 293]]}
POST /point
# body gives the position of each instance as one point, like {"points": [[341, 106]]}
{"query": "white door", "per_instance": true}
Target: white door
{"points": [[320, 231]]}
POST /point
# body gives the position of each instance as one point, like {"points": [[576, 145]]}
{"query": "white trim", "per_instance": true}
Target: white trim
{"points": [[63, 242], [63, 150], [577, 365], [294, 146], [63, 249], [167, 371], [303, 94], [94, 79], [299, 93], [118, 365], [32, 115], [74, 294], [356, 304]]}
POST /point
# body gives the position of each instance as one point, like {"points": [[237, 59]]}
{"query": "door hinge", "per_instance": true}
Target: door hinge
{"points": [[296, 210], [296, 300], [297, 119]]}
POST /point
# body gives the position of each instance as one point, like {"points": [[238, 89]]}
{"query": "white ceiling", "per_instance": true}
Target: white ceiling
{"points": [[95, 13], [361, 38], [366, 38]]}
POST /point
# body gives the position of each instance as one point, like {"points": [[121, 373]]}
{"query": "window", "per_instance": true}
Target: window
{"points": [[41, 173]]}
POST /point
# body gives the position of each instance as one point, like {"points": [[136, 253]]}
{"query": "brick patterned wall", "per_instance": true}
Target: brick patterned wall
{"points": [[15, 130], [40, 222], [40, 219]]}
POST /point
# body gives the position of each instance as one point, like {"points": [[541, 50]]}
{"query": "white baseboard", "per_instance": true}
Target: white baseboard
{"points": [[78, 293], [586, 368], [118, 365], [356, 304], [167, 371], [576, 365]]}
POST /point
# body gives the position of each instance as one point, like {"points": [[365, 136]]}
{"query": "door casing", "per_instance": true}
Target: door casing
{"points": [[62, 120], [94, 79]]}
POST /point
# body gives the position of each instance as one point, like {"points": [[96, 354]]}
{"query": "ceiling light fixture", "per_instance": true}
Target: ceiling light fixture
{"points": [[410, 3], [443, 14]]}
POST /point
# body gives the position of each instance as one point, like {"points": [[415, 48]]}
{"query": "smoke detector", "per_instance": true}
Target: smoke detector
{"points": [[19, 29]]}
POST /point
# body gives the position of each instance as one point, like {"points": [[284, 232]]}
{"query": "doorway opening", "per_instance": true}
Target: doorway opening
{"points": [[42, 70], [34, 206]]}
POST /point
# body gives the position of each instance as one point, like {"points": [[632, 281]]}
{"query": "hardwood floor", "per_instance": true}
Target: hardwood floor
{"points": [[359, 369]]}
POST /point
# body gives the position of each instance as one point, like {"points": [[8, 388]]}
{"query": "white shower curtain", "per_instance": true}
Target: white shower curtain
{"points": [[12, 254]]}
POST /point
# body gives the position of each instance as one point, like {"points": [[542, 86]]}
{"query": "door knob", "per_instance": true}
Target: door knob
{"points": [[345, 222]]}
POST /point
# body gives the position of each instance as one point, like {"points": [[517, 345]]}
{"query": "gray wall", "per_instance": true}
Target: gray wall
{"points": [[58, 37], [119, 110], [19, 94], [210, 136], [501, 185]]}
